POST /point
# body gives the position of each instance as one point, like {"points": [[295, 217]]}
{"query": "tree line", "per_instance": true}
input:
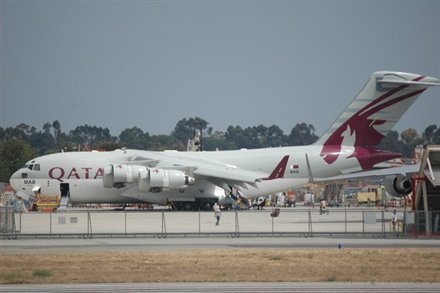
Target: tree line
{"points": [[23, 142]]}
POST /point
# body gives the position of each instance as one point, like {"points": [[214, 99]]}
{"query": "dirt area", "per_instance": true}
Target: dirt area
{"points": [[229, 265]]}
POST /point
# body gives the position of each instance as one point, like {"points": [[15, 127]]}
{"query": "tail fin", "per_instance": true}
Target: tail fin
{"points": [[279, 170], [374, 112]]}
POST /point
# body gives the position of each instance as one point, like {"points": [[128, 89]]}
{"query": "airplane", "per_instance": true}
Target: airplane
{"points": [[193, 180]]}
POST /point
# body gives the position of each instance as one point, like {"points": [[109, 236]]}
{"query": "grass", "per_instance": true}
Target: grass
{"points": [[12, 278], [41, 273], [222, 265], [275, 257]]}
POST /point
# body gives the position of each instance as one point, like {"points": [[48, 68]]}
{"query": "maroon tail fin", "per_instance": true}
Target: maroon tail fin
{"points": [[279, 170]]}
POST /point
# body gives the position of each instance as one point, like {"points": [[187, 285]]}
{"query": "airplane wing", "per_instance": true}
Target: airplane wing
{"points": [[402, 170], [224, 175], [234, 173], [230, 174]]}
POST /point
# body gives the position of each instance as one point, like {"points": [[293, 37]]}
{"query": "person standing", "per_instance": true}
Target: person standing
{"points": [[394, 220], [217, 214]]}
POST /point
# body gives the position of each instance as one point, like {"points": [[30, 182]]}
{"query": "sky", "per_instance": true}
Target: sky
{"points": [[149, 64]]}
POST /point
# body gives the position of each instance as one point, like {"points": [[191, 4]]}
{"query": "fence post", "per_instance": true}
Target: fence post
{"points": [[164, 227], [345, 220], [14, 230], [310, 230], [20, 222], [89, 225], [363, 223], [383, 223], [50, 226], [125, 223], [237, 225], [272, 225], [200, 228]]}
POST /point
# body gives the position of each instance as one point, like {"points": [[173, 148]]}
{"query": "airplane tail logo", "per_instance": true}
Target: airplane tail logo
{"points": [[279, 170], [377, 108]]}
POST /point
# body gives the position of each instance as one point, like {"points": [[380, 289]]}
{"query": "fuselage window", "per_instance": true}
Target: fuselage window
{"points": [[24, 175]]}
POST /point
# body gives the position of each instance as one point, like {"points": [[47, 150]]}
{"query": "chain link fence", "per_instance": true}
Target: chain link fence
{"points": [[301, 222]]}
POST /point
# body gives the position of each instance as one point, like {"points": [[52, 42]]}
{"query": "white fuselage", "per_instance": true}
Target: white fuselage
{"points": [[83, 172]]}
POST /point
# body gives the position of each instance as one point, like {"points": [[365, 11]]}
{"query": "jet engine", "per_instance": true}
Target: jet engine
{"points": [[120, 174], [155, 179], [397, 185], [149, 179]]}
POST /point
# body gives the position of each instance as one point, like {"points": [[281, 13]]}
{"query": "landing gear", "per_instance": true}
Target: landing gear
{"points": [[184, 205], [199, 204], [206, 205]]}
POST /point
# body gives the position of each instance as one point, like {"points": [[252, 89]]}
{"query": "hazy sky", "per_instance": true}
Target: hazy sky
{"points": [[120, 64]]}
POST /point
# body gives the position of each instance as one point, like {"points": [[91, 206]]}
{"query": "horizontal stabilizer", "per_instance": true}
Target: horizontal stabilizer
{"points": [[409, 82]]}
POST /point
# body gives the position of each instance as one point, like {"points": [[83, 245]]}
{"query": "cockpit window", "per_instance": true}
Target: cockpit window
{"points": [[37, 167], [29, 165]]}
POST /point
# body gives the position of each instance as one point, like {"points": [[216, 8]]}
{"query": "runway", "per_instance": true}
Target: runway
{"points": [[229, 287], [179, 243]]}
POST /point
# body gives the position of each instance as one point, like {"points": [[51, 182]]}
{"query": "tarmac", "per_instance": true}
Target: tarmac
{"points": [[195, 243], [321, 287], [211, 240], [299, 221]]}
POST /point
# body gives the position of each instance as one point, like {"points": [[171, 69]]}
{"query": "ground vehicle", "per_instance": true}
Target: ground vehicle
{"points": [[259, 204]]}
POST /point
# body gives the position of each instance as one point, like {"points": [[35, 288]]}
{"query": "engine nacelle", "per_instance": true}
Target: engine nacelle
{"points": [[397, 185], [156, 179], [149, 179], [120, 174]]}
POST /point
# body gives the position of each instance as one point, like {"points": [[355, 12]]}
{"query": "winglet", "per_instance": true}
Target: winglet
{"points": [[279, 170]]}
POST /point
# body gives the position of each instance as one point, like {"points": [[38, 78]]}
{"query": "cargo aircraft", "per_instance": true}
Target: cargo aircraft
{"points": [[199, 179]]}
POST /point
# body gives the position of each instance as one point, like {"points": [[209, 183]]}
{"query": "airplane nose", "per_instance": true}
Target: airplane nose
{"points": [[15, 180]]}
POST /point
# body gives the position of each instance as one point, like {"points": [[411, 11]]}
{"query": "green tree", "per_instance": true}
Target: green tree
{"points": [[56, 131], [185, 128], [275, 136], [166, 142], [13, 154], [47, 127], [436, 136], [90, 135], [302, 134], [235, 137], [409, 136], [391, 142], [134, 138], [429, 134], [106, 145], [261, 134], [42, 142], [217, 141], [13, 133]]}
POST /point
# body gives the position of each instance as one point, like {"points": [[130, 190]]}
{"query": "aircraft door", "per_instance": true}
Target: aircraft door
{"points": [[65, 195]]}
